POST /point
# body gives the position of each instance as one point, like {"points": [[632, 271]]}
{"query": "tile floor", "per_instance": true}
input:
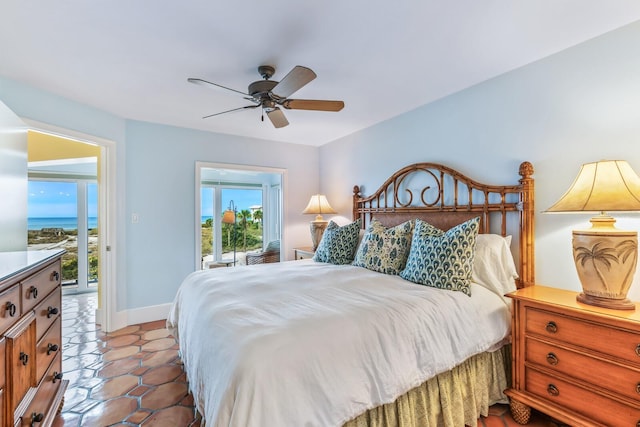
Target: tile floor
{"points": [[133, 377]]}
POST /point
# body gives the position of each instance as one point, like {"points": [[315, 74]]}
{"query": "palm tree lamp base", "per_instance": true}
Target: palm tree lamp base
{"points": [[605, 259]]}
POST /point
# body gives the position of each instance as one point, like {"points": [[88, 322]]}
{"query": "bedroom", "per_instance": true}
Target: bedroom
{"points": [[575, 106]]}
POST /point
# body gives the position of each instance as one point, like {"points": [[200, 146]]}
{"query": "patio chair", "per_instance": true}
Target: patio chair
{"points": [[270, 254]]}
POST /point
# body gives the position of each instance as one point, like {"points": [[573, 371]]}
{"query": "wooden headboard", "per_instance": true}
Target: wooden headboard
{"points": [[445, 197]]}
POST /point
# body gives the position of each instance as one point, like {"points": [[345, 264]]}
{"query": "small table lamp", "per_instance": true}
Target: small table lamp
{"points": [[318, 205], [605, 257]]}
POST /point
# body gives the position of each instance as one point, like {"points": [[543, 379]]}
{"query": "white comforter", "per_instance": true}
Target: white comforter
{"points": [[301, 343]]}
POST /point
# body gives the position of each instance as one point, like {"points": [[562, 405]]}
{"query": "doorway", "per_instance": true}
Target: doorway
{"points": [[95, 201], [254, 194]]}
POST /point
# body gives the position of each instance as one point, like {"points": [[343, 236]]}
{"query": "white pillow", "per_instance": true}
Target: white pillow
{"points": [[493, 265]]}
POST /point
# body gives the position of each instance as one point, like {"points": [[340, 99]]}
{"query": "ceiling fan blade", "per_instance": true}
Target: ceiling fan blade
{"points": [[277, 118], [313, 104], [213, 85], [229, 111], [293, 81]]}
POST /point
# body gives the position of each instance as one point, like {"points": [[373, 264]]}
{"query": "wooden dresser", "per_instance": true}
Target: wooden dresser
{"points": [[577, 363], [31, 385]]}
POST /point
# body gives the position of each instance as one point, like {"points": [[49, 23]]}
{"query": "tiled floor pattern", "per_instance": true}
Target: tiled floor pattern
{"points": [[133, 377]]}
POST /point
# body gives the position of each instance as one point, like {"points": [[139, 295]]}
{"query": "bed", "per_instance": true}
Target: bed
{"points": [[338, 343]]}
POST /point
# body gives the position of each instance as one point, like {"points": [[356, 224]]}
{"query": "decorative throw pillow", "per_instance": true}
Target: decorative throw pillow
{"points": [[384, 249], [273, 246], [338, 244], [442, 260]]}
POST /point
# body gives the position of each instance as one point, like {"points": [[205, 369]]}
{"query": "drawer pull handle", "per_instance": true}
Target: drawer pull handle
{"points": [[55, 276], [37, 417], [51, 311], [33, 290], [24, 357], [551, 327], [638, 353], [11, 308], [56, 376], [51, 348], [552, 359], [638, 388], [553, 390]]}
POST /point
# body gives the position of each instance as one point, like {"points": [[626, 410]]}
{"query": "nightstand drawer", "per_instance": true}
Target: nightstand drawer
{"points": [[599, 409], [599, 337], [600, 372], [303, 253]]}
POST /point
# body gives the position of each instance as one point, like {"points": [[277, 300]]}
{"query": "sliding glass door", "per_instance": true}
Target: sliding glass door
{"points": [[64, 214], [221, 240], [254, 197]]}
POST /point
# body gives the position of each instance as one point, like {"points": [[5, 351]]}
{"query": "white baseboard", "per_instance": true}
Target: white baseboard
{"points": [[125, 318], [148, 314]]}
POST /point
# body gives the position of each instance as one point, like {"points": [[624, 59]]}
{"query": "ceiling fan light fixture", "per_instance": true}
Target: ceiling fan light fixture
{"points": [[270, 94]]}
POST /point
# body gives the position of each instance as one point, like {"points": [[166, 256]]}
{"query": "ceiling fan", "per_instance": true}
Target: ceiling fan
{"points": [[271, 95]]}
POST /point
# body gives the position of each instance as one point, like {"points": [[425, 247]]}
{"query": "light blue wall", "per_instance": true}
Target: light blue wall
{"points": [[155, 169], [580, 105], [161, 190]]}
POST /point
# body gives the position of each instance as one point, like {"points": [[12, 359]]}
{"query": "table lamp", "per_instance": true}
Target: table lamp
{"points": [[318, 205], [605, 257]]}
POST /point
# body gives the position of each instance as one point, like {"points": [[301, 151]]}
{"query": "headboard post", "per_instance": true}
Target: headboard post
{"points": [[527, 226], [356, 197]]}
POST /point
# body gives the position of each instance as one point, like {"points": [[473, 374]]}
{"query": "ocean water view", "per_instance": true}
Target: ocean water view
{"points": [[67, 223]]}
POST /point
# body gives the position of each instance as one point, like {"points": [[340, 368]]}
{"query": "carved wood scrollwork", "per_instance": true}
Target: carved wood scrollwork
{"points": [[432, 192]]}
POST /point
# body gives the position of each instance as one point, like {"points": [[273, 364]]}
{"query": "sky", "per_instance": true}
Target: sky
{"points": [[243, 199], [49, 199]]}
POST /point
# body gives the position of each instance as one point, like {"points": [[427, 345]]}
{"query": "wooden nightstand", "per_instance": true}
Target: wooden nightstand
{"points": [[303, 253], [577, 363]]}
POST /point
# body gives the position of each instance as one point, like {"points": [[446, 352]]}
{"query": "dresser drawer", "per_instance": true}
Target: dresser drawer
{"points": [[589, 404], [48, 347], [38, 286], [40, 406], [48, 311], [9, 307], [613, 377], [598, 337]]}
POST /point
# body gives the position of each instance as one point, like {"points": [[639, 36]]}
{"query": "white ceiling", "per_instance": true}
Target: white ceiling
{"points": [[132, 58]]}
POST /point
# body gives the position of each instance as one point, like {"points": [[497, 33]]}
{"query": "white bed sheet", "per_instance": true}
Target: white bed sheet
{"points": [[302, 343]]}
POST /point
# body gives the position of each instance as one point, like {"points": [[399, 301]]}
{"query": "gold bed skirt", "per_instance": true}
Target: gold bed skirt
{"points": [[452, 399]]}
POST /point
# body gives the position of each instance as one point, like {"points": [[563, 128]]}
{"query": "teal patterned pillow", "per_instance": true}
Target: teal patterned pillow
{"points": [[338, 244], [384, 249], [442, 260]]}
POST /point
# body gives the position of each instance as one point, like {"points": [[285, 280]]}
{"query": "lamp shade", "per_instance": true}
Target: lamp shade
{"points": [[318, 205], [605, 257], [228, 217], [604, 186]]}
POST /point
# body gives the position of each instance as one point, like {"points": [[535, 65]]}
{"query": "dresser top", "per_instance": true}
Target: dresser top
{"points": [[13, 263], [565, 299]]}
